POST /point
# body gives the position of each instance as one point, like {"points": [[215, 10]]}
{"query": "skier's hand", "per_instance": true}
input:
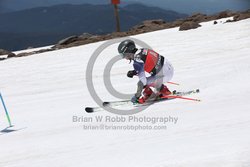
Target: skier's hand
{"points": [[131, 73], [134, 99]]}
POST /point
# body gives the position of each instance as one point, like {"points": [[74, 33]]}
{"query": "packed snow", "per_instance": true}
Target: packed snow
{"points": [[44, 92]]}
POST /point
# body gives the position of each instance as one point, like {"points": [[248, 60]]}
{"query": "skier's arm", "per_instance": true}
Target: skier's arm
{"points": [[139, 68], [142, 78]]}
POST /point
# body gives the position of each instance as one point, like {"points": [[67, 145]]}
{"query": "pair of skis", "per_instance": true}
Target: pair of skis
{"points": [[174, 95]]}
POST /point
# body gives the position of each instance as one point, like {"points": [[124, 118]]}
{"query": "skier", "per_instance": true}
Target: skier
{"points": [[147, 60]]}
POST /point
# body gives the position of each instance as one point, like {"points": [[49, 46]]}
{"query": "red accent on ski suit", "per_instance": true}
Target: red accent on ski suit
{"points": [[151, 60]]}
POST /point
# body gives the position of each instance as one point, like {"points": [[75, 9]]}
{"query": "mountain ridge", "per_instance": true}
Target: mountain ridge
{"points": [[71, 19], [181, 6]]}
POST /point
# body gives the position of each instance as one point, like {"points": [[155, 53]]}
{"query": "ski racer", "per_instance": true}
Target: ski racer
{"points": [[147, 60]]}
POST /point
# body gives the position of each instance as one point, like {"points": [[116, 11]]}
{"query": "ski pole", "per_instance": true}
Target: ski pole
{"points": [[173, 83], [180, 97], [6, 111], [153, 84]]}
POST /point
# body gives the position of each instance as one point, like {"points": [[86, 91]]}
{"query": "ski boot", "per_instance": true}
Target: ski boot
{"points": [[164, 91], [147, 93]]}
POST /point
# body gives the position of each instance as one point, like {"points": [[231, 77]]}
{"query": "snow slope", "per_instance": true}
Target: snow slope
{"points": [[44, 91]]}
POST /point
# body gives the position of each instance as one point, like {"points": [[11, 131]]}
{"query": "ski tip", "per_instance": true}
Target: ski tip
{"points": [[89, 109], [105, 103]]}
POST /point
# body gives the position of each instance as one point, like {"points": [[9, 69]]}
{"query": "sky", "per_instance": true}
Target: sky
{"points": [[183, 6]]}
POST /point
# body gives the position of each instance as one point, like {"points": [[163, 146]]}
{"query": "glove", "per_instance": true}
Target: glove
{"points": [[131, 73], [134, 99]]}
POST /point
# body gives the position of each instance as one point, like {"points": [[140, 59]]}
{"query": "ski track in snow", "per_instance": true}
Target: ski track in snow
{"points": [[43, 92]]}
